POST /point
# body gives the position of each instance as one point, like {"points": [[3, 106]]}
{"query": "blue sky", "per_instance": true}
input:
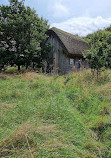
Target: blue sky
{"points": [[75, 16]]}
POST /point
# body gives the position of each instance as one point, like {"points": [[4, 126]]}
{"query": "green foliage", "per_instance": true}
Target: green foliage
{"points": [[99, 55], [22, 33]]}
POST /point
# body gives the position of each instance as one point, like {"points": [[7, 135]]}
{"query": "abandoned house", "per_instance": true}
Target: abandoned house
{"points": [[67, 51]]}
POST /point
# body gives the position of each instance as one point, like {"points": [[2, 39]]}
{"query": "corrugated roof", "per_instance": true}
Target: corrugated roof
{"points": [[73, 44]]}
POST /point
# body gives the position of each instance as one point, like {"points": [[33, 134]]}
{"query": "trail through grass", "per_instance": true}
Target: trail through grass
{"points": [[55, 116]]}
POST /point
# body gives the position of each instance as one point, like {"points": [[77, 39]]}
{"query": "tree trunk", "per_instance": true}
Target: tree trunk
{"points": [[97, 73], [18, 67], [33, 65], [26, 67]]}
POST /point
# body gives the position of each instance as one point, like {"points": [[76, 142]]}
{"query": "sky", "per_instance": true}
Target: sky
{"points": [[80, 17]]}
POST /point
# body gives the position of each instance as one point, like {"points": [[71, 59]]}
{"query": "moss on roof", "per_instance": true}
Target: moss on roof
{"points": [[73, 43]]}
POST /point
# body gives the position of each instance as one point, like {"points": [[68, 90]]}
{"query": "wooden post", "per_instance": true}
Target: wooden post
{"points": [[56, 63]]}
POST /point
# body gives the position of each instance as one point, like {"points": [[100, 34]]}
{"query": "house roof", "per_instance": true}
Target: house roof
{"points": [[73, 44]]}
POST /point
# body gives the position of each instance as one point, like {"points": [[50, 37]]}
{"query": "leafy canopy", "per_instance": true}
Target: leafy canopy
{"points": [[21, 35], [100, 53]]}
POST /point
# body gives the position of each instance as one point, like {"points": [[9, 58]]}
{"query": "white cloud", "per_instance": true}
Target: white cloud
{"points": [[83, 25], [59, 10]]}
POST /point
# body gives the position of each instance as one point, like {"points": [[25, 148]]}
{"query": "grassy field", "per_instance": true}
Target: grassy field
{"points": [[55, 116]]}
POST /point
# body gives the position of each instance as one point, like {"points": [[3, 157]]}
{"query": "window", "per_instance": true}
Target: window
{"points": [[71, 61]]}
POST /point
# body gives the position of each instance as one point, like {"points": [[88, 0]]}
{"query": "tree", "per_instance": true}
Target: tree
{"points": [[100, 53], [21, 34]]}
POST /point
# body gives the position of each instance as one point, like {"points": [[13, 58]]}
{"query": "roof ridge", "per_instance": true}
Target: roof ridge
{"points": [[68, 34]]}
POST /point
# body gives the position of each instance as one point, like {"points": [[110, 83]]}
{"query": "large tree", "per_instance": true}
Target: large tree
{"points": [[99, 55], [21, 34]]}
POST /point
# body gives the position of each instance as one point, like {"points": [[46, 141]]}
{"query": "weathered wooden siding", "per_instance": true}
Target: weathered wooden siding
{"points": [[60, 60], [56, 47], [63, 63]]}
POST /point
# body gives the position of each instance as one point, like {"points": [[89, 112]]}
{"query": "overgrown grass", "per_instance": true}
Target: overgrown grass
{"points": [[55, 116]]}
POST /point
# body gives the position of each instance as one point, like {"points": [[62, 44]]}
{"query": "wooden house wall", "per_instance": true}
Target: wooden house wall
{"points": [[61, 63]]}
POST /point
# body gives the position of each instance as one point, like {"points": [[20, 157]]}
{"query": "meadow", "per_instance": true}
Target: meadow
{"points": [[55, 116]]}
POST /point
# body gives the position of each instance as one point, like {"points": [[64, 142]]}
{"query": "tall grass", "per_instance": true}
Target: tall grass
{"points": [[55, 116]]}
